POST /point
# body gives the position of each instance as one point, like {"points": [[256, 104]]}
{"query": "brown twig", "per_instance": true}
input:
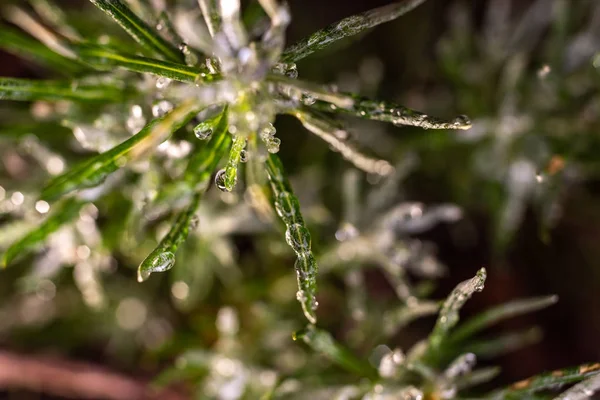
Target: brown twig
{"points": [[74, 379]]}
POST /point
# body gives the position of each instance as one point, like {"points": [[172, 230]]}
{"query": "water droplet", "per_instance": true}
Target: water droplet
{"points": [[194, 221], [267, 132], [220, 180], [273, 145], [203, 131], [160, 262], [162, 82], [189, 56], [161, 108], [346, 232], [244, 156], [285, 205], [308, 99], [462, 121], [298, 237]]}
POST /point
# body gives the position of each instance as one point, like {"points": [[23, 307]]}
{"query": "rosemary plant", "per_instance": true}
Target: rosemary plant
{"points": [[186, 95]]}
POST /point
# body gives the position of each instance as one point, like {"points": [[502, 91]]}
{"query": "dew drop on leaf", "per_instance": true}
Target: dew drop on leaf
{"points": [[220, 180]]}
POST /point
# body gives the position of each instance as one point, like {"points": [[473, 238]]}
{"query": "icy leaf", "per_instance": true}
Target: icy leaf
{"points": [[448, 317], [297, 235], [348, 27], [392, 113]]}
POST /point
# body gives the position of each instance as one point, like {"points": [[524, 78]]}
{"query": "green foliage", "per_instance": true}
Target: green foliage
{"points": [[152, 121]]}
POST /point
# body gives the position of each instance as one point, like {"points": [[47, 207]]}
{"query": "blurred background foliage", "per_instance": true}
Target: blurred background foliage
{"points": [[525, 177]]}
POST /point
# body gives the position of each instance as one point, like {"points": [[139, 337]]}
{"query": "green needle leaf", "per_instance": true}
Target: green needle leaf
{"points": [[65, 213], [322, 342], [162, 257], [106, 59], [297, 236], [203, 162], [394, 114], [448, 317], [231, 169], [545, 381], [27, 90], [348, 27], [212, 17], [138, 29], [583, 390], [496, 314], [30, 49], [198, 175], [92, 172]]}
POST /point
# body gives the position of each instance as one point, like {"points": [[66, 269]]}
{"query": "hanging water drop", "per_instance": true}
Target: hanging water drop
{"points": [[203, 131], [161, 108], [273, 145], [244, 156], [160, 262], [162, 82], [220, 180], [462, 122]]}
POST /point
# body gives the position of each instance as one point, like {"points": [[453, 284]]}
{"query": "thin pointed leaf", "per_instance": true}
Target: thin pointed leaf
{"points": [[31, 49], [203, 162], [392, 113], [198, 173], [55, 17], [496, 314], [231, 169], [477, 377], [448, 317], [27, 90], [297, 236], [162, 257], [398, 319], [583, 390], [139, 30], [92, 172], [212, 17], [104, 58], [322, 342], [335, 135], [545, 381], [494, 347], [65, 213], [348, 27]]}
